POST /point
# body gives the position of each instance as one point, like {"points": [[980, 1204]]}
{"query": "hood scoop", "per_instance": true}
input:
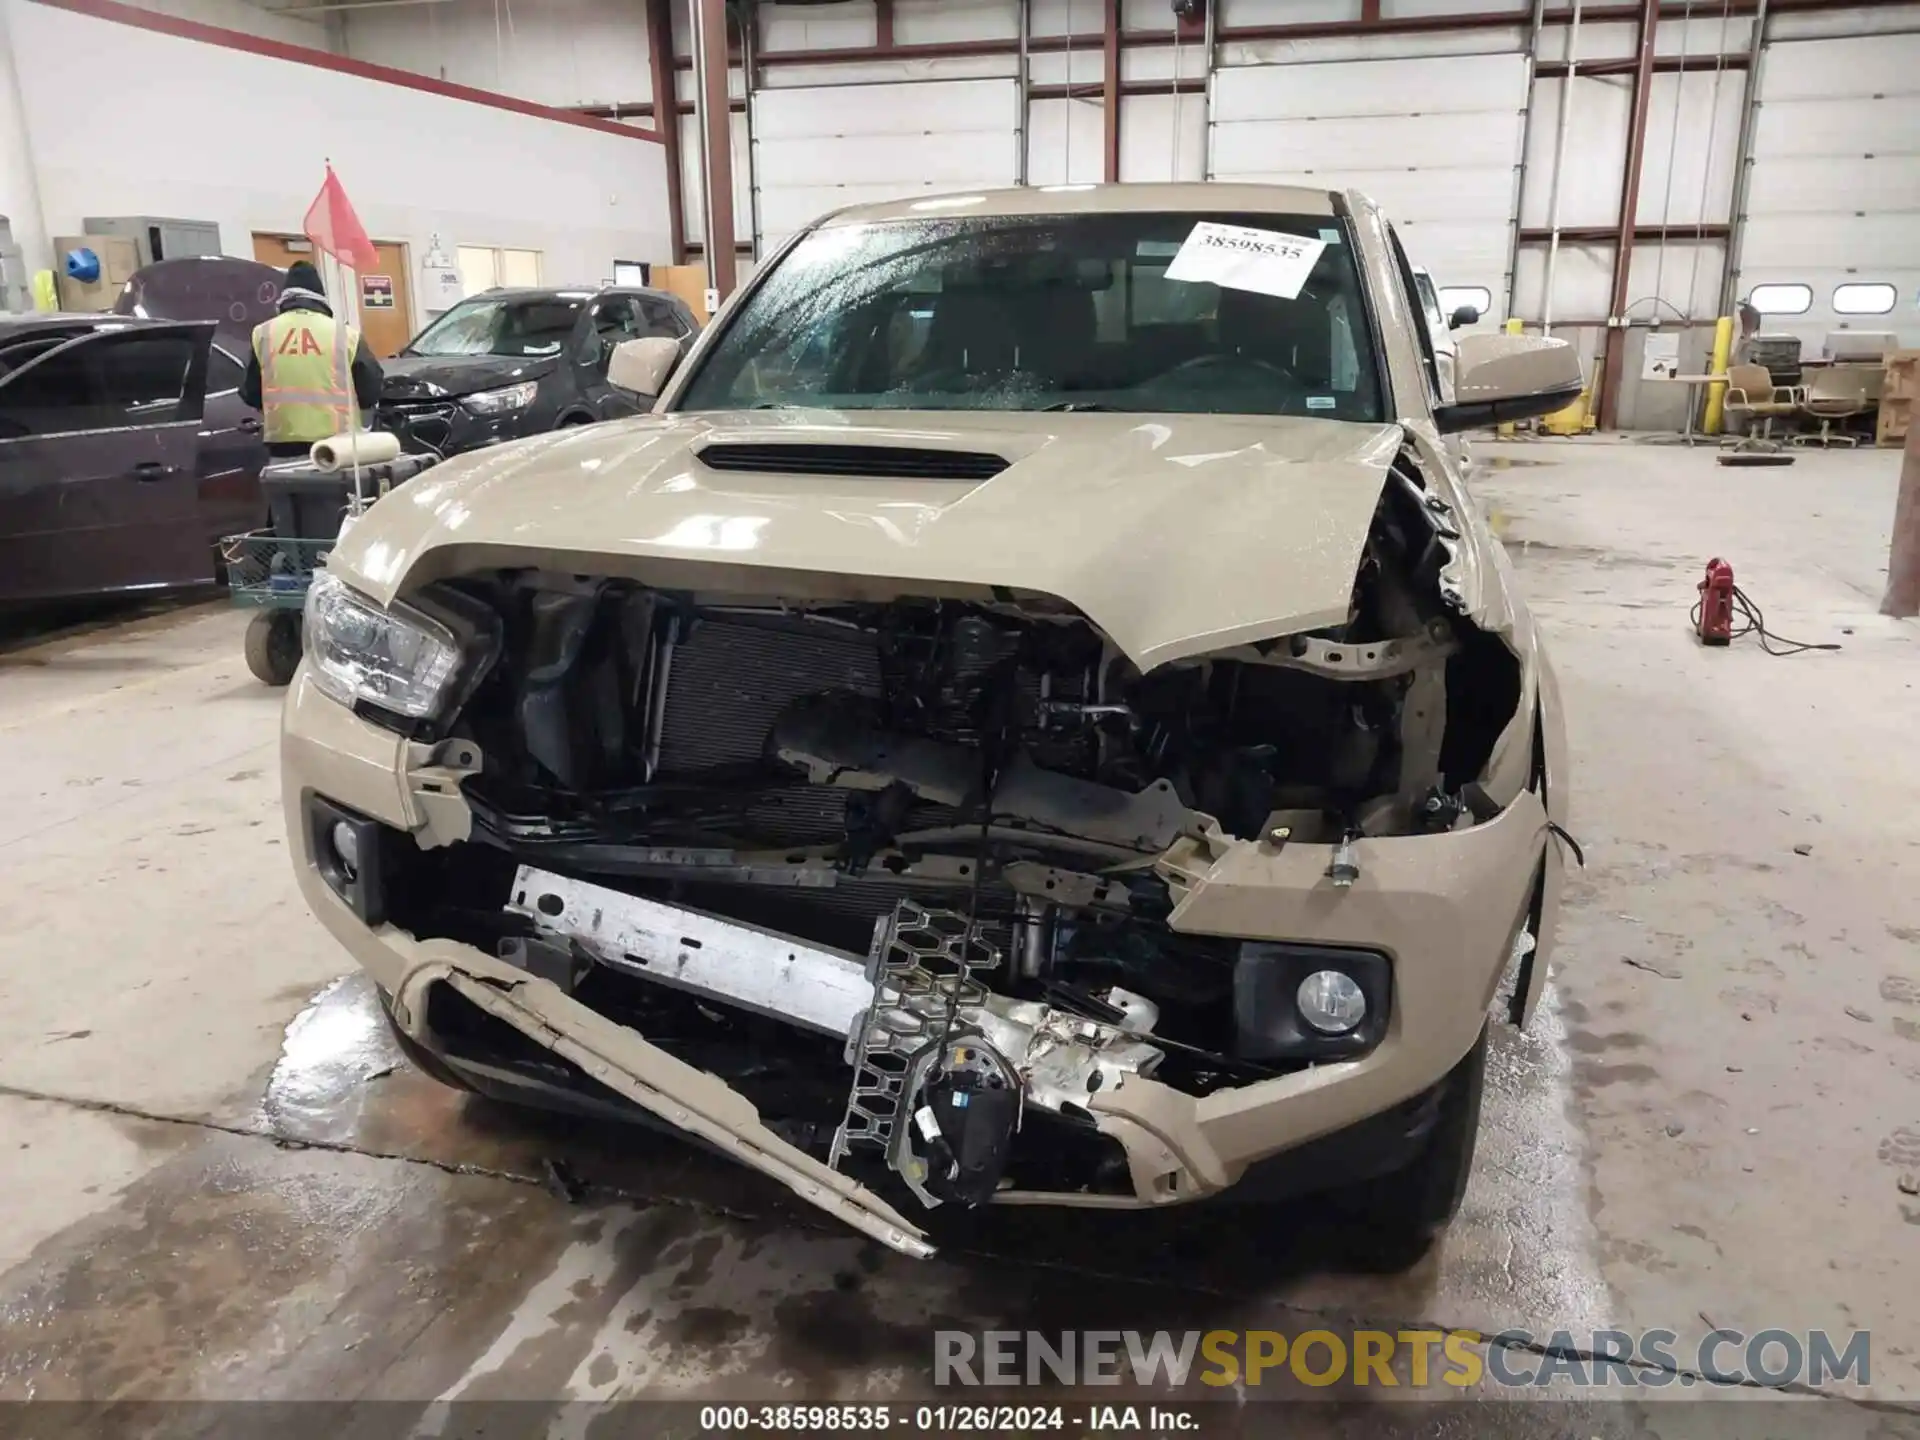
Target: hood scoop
{"points": [[877, 462]]}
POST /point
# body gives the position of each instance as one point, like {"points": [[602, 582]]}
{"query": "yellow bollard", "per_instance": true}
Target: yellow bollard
{"points": [[1505, 429], [1717, 392]]}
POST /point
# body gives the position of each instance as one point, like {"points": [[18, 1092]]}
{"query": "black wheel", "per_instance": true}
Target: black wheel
{"points": [[423, 1059], [273, 645], [1398, 1216]]}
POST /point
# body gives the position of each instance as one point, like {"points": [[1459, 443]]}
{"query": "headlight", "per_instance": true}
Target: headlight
{"points": [[498, 402], [397, 661]]}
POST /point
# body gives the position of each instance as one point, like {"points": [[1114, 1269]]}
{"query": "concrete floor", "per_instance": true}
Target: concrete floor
{"points": [[222, 1182]]}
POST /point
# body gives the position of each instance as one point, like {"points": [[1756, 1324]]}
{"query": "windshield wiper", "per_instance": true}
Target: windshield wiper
{"points": [[1080, 406]]}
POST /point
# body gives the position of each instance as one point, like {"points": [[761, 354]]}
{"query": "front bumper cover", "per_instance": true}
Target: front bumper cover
{"points": [[1445, 907]]}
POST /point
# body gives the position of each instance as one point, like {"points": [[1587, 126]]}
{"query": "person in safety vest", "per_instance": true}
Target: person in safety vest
{"points": [[310, 375]]}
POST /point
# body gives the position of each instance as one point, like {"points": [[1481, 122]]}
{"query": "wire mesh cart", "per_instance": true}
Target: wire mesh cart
{"points": [[270, 570]]}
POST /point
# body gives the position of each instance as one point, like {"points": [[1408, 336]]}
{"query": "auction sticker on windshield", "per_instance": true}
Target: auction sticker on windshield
{"points": [[1241, 258]]}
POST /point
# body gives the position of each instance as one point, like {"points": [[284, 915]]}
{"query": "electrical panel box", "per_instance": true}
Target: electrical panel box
{"points": [[158, 238], [119, 258]]}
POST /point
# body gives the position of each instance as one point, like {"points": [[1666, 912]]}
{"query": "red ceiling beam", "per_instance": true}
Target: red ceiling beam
{"points": [[716, 143], [1369, 12], [1110, 90], [660, 73], [1616, 354], [883, 24]]}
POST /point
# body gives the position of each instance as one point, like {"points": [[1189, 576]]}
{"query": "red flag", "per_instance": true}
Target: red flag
{"points": [[334, 228]]}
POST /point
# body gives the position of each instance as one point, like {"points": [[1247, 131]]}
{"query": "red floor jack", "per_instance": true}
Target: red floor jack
{"points": [[1714, 616]]}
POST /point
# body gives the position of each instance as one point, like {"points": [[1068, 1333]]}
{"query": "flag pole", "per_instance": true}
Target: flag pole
{"points": [[337, 282]]}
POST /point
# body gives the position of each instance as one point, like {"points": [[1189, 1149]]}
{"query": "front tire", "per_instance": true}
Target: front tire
{"points": [[273, 646], [1398, 1216]]}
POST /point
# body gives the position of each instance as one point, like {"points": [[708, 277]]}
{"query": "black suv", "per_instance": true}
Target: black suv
{"points": [[511, 363]]}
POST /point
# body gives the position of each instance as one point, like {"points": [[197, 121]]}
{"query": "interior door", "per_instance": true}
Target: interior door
{"points": [[99, 449], [385, 299]]}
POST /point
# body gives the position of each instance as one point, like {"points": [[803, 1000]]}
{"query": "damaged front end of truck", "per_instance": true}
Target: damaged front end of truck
{"points": [[906, 880]]}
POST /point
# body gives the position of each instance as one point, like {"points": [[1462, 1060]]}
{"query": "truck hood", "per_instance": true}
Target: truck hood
{"points": [[1174, 534]]}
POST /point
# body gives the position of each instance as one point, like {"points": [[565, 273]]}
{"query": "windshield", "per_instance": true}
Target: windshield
{"points": [[1050, 312], [516, 325]]}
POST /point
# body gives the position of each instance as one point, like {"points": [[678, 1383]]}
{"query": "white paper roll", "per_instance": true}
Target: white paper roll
{"points": [[372, 447]]}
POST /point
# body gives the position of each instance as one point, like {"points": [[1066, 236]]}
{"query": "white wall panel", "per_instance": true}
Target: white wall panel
{"points": [[1435, 141], [817, 27], [1163, 137], [1494, 41], [821, 148], [1683, 275], [1285, 12], [886, 72], [1693, 126], [1813, 24], [1470, 142], [416, 164], [1417, 88], [1411, 9], [249, 19], [1821, 69], [1834, 195], [1597, 124], [1602, 41], [925, 22], [1582, 281], [1855, 125], [1082, 65], [1064, 143], [1836, 186], [559, 52], [1163, 62], [1138, 16]]}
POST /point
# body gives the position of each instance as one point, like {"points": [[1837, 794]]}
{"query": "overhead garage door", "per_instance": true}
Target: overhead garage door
{"points": [[1833, 200], [1449, 127], [817, 148]]}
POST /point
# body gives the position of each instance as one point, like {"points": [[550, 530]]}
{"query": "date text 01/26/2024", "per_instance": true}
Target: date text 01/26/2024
{"points": [[944, 1419]]}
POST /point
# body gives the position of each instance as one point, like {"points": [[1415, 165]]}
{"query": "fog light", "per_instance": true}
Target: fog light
{"points": [[346, 845], [1331, 1002]]}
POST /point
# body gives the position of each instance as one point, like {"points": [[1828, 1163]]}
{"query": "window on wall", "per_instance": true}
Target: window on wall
{"points": [[1864, 299], [1781, 299], [488, 267]]}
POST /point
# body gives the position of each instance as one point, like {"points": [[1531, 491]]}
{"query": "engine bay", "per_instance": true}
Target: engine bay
{"points": [[891, 867]]}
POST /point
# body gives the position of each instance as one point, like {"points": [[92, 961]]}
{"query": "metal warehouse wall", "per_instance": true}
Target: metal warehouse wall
{"points": [[1448, 111]]}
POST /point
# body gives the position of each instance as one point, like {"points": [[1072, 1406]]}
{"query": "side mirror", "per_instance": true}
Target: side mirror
{"points": [[1509, 377], [1463, 316], [642, 366]]}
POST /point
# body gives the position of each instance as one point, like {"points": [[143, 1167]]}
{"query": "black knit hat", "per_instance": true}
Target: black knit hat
{"points": [[302, 276]]}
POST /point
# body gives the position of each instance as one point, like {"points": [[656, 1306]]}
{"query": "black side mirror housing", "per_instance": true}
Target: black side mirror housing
{"points": [[1462, 316]]}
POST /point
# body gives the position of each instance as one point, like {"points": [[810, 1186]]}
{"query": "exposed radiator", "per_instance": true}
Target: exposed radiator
{"points": [[731, 677]]}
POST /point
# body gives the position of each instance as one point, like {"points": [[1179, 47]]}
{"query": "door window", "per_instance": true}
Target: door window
{"points": [[1409, 291], [224, 373], [104, 382], [614, 319], [660, 319]]}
